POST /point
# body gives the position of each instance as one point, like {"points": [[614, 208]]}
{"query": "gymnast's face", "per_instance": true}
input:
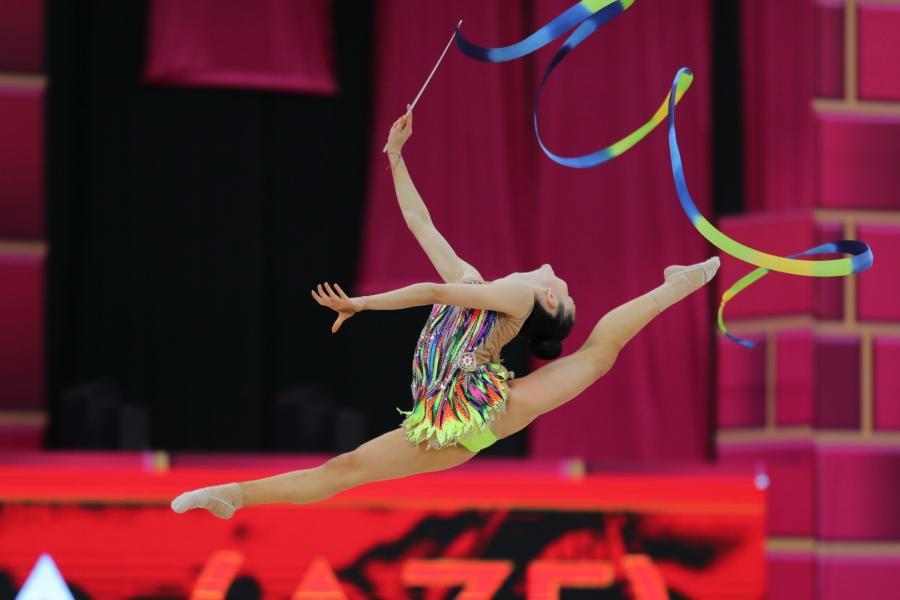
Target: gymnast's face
{"points": [[552, 292]]}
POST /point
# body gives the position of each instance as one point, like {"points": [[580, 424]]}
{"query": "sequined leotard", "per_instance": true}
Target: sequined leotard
{"points": [[459, 383]]}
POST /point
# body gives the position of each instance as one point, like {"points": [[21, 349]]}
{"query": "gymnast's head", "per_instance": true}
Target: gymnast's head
{"points": [[553, 315]]}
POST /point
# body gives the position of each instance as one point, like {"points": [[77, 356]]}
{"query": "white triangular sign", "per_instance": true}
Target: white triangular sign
{"points": [[45, 582]]}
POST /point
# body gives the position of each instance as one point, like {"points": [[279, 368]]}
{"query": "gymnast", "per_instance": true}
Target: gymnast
{"points": [[464, 399]]}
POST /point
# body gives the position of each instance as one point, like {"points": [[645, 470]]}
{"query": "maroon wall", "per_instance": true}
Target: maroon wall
{"points": [[22, 250]]}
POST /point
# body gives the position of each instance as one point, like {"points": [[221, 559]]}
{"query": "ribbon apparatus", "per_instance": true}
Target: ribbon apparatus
{"points": [[585, 18]]}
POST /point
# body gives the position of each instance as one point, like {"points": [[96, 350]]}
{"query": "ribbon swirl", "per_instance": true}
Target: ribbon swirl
{"points": [[585, 18]]}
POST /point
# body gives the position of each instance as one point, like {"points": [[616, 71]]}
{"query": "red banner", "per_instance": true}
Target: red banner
{"points": [[470, 536]]}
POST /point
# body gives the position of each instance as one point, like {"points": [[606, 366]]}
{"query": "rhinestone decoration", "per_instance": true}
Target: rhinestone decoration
{"points": [[467, 361]]}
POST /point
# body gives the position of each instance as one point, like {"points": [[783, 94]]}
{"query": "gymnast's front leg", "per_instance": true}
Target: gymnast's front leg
{"points": [[558, 382]]}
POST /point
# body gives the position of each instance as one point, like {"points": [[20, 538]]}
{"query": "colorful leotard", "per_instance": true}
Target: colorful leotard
{"points": [[459, 383]]}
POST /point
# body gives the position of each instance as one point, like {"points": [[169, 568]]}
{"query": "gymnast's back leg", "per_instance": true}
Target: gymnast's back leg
{"points": [[388, 456]]}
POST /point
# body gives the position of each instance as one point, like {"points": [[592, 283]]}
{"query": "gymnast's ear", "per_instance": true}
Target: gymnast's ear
{"points": [[550, 298]]}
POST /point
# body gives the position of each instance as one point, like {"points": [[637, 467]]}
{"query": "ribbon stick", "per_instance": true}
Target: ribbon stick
{"points": [[587, 16], [430, 75], [436, 65]]}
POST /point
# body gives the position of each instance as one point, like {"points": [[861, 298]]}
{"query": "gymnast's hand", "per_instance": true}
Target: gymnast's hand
{"points": [[400, 132], [338, 301]]}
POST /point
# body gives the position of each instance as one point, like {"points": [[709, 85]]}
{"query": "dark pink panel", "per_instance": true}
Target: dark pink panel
{"points": [[21, 35], [858, 577], [795, 391], [776, 294], [859, 492], [879, 287], [830, 49], [21, 437], [778, 77], [790, 576], [22, 331], [21, 161], [837, 382], [879, 51], [829, 291], [281, 45], [790, 467], [742, 383], [887, 382], [858, 158]]}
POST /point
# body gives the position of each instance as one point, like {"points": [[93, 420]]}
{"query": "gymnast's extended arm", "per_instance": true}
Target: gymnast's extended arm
{"points": [[514, 299], [450, 266]]}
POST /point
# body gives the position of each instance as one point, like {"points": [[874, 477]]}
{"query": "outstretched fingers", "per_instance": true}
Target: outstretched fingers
{"points": [[331, 293], [326, 296], [337, 300]]}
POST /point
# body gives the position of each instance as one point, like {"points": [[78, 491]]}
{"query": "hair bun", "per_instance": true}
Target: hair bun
{"points": [[547, 349]]}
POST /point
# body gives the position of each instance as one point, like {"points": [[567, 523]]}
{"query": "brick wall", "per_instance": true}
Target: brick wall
{"points": [[816, 405]]}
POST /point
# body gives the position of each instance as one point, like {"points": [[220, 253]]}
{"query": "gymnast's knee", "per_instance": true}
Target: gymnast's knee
{"points": [[342, 469], [602, 357]]}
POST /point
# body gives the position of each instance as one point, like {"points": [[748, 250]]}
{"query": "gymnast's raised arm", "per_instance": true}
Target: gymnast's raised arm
{"points": [[512, 298], [450, 266]]}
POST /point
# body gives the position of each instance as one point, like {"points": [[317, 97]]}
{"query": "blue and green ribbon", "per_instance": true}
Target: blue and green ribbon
{"points": [[587, 16]]}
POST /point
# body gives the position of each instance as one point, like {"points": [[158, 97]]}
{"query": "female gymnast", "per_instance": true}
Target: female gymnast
{"points": [[463, 398]]}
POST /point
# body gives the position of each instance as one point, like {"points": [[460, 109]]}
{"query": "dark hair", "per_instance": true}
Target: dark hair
{"points": [[546, 331]]}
